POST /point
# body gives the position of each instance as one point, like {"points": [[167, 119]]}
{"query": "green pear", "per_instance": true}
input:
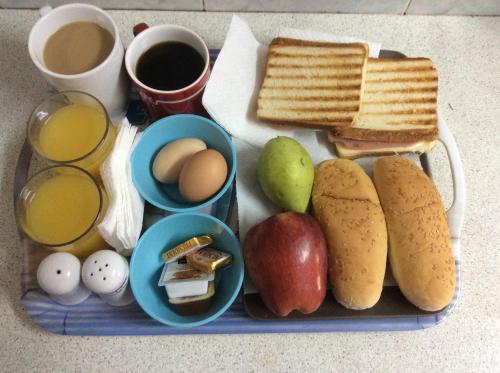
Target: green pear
{"points": [[286, 173]]}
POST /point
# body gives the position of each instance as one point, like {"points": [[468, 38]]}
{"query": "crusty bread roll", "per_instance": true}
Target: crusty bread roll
{"points": [[347, 207], [420, 252]]}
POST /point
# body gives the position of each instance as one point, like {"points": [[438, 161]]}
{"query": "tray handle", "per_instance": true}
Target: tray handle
{"points": [[456, 212]]}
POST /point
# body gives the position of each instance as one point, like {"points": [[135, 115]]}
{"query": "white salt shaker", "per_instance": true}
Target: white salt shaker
{"points": [[105, 272], [59, 275]]}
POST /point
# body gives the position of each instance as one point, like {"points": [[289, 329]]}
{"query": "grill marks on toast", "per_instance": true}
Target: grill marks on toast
{"points": [[418, 75], [333, 60], [307, 75], [313, 83], [314, 52], [335, 86], [399, 102]]}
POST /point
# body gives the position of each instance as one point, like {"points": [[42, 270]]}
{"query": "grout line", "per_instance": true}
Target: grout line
{"points": [[407, 6]]}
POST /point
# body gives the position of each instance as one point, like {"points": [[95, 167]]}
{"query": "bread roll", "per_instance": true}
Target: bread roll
{"points": [[420, 252], [347, 207]]}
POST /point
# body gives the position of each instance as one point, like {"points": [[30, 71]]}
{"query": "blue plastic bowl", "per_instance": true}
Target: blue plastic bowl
{"points": [[164, 131], [146, 265]]}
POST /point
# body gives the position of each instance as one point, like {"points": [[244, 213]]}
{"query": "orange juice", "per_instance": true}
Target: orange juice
{"points": [[61, 211], [78, 134]]}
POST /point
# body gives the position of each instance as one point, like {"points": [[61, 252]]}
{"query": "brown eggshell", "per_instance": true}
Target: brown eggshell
{"points": [[202, 175]]}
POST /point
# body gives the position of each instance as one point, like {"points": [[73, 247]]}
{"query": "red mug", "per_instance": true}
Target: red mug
{"points": [[186, 100]]}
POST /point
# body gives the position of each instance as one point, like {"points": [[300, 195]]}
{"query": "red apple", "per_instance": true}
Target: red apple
{"points": [[286, 259]]}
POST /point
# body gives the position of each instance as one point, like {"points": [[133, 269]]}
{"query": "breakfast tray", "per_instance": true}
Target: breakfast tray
{"points": [[94, 317]]}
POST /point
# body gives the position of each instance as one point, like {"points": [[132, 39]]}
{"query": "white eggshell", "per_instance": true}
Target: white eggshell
{"points": [[169, 161]]}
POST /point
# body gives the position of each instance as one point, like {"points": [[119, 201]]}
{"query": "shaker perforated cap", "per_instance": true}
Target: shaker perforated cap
{"points": [[105, 271], [59, 273]]}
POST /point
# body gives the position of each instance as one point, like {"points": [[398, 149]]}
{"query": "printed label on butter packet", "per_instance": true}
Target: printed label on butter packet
{"points": [[209, 259], [186, 247]]}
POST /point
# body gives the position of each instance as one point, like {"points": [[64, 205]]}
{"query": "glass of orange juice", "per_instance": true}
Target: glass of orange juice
{"points": [[60, 208], [72, 127]]}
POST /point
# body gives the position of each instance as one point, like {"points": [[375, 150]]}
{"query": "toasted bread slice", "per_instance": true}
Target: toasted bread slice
{"points": [[399, 102], [312, 84]]}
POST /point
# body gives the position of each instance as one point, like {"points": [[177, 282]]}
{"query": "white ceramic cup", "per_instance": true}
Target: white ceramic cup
{"points": [[107, 81]]}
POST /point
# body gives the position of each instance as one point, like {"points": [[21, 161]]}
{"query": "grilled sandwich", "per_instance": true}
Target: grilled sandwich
{"points": [[313, 84], [398, 110]]}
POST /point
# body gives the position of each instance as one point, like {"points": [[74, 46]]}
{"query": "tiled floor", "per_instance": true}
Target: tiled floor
{"points": [[320, 6], [111, 4], [455, 7], [451, 7]]}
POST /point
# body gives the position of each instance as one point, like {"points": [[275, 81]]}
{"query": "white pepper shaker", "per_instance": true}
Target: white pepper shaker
{"points": [[105, 272], [59, 275]]}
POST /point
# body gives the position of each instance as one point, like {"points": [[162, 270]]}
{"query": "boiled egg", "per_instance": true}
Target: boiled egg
{"points": [[202, 175], [168, 163]]}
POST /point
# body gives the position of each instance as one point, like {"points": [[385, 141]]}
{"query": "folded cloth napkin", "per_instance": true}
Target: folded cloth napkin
{"points": [[122, 224], [230, 98]]}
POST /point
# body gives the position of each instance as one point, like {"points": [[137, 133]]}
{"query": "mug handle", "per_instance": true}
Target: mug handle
{"points": [[44, 10], [140, 27]]}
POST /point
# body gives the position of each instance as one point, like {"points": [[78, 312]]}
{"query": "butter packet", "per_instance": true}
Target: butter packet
{"points": [[186, 247], [181, 280], [208, 259]]}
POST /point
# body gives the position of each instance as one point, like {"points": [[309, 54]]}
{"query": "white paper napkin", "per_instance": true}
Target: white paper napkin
{"points": [[122, 224], [230, 98]]}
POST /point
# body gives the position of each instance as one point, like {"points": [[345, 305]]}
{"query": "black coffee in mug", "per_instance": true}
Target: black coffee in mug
{"points": [[169, 66]]}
